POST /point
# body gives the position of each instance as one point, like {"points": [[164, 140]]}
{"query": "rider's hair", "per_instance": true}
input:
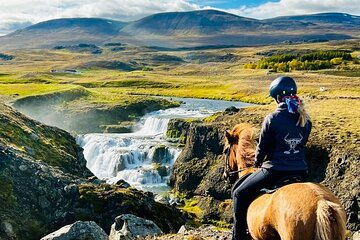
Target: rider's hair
{"points": [[303, 115]]}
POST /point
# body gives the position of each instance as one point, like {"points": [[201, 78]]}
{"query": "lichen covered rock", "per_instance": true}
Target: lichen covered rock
{"points": [[79, 231], [128, 226]]}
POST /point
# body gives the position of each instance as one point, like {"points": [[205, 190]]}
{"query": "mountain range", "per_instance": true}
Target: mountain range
{"points": [[186, 29]]}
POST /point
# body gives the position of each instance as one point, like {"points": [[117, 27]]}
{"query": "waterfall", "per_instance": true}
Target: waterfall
{"points": [[143, 158], [154, 126]]}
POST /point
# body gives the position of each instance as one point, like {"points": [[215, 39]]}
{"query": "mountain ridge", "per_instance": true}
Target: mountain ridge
{"points": [[213, 19], [186, 29]]}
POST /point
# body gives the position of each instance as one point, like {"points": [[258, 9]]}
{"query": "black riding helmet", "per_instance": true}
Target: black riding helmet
{"points": [[282, 86]]}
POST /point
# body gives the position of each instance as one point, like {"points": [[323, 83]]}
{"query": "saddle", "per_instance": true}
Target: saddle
{"points": [[283, 182]]}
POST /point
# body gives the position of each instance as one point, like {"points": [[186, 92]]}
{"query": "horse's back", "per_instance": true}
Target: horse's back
{"points": [[291, 211], [300, 197]]}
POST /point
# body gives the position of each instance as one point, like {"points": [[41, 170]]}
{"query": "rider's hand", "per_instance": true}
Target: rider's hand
{"points": [[257, 164]]}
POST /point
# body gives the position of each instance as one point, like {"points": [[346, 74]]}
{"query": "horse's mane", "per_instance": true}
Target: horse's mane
{"points": [[244, 135]]}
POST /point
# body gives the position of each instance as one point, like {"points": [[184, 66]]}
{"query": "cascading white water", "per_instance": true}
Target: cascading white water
{"points": [[134, 157], [143, 158], [154, 126], [129, 157]]}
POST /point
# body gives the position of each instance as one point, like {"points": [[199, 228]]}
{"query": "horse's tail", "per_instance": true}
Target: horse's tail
{"points": [[330, 221]]}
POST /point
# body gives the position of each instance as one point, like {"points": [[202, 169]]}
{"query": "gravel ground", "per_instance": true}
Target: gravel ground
{"points": [[205, 232]]}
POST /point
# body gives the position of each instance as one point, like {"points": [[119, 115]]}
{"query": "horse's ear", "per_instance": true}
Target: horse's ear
{"points": [[228, 135]]}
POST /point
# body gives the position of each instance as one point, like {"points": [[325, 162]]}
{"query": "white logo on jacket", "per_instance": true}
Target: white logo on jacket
{"points": [[292, 142]]}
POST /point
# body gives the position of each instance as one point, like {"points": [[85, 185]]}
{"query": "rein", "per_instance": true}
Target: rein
{"points": [[227, 172], [237, 171]]}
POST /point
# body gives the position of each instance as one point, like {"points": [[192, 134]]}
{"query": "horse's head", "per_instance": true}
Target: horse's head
{"points": [[239, 151]]}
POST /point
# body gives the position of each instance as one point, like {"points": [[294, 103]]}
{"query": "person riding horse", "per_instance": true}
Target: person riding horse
{"points": [[279, 153]]}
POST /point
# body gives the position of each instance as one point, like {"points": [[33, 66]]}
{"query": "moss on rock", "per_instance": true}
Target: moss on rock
{"points": [[7, 197], [106, 200], [51, 145]]}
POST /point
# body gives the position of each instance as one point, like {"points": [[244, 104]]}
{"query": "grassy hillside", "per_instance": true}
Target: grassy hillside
{"points": [[216, 74]]}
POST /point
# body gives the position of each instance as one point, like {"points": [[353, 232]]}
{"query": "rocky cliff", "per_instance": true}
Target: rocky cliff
{"points": [[197, 172], [50, 145], [78, 110], [45, 184]]}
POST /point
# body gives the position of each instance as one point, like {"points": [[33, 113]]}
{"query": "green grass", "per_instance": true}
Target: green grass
{"points": [[349, 73], [192, 208], [32, 89], [29, 74]]}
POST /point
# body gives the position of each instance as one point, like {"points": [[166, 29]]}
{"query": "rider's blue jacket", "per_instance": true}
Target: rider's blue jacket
{"points": [[281, 143]]}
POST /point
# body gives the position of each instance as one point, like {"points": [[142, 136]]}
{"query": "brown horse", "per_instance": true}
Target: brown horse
{"points": [[298, 211]]}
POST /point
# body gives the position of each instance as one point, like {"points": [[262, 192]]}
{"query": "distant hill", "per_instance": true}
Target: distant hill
{"points": [[186, 29], [343, 19], [101, 26], [66, 31], [195, 22]]}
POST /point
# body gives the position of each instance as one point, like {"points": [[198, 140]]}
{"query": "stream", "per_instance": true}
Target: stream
{"points": [[144, 158]]}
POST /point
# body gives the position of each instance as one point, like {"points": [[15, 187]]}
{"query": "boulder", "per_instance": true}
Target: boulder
{"points": [[8, 229], [178, 130], [122, 183], [95, 180], [161, 154], [232, 109], [79, 231], [128, 226], [184, 229]]}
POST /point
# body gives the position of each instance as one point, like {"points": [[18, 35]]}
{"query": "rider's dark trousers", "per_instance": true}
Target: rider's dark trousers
{"points": [[245, 192]]}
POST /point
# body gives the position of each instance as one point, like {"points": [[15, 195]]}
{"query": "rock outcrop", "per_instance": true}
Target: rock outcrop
{"points": [[69, 111], [102, 203], [79, 231], [198, 169], [39, 169], [128, 226], [36, 198], [50, 145], [161, 155], [178, 130]]}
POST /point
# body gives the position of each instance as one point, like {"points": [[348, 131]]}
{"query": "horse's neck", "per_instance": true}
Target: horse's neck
{"points": [[246, 155]]}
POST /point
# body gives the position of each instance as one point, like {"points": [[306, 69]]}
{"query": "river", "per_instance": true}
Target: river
{"points": [[144, 158]]}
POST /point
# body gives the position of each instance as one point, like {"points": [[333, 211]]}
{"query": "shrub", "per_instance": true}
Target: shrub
{"points": [[336, 61], [147, 69], [250, 65], [309, 61]]}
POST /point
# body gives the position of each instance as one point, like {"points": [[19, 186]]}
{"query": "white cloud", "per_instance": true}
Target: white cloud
{"points": [[34, 11], [15, 14], [298, 7]]}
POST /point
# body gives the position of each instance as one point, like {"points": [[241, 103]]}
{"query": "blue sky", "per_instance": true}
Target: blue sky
{"points": [[16, 14], [231, 4]]}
